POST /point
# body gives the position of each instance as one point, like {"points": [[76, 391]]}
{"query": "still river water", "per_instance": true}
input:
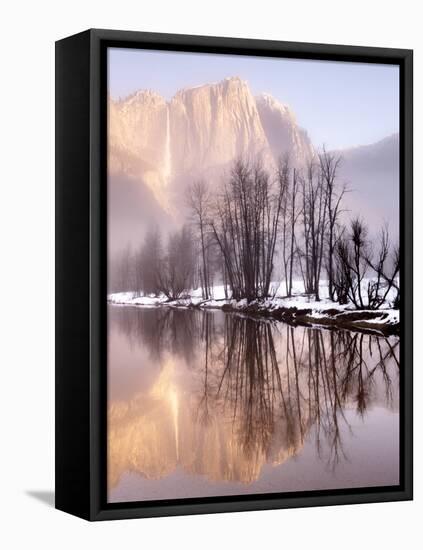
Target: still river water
{"points": [[206, 403]]}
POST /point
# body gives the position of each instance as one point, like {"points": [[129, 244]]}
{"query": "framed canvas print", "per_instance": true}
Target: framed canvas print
{"points": [[233, 274]]}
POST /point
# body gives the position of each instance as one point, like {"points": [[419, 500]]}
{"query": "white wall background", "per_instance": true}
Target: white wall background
{"points": [[28, 32]]}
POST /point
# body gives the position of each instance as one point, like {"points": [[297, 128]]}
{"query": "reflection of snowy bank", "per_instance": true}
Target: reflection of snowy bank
{"points": [[298, 309]]}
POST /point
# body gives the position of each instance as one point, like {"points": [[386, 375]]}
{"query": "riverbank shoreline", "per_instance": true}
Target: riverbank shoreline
{"points": [[298, 310]]}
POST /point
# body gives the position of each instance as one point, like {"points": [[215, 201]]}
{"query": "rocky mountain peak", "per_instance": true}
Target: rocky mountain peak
{"points": [[143, 96], [267, 100], [282, 130], [198, 133]]}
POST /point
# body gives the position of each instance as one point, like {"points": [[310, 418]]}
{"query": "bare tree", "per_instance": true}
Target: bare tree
{"points": [[386, 267], [245, 225], [352, 251], [329, 165], [289, 214], [340, 271], [177, 267], [314, 211], [354, 258], [126, 279], [198, 199], [150, 262], [138, 272], [295, 213]]}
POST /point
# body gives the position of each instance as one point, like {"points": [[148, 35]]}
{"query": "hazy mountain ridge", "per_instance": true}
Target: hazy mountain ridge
{"points": [[372, 176]]}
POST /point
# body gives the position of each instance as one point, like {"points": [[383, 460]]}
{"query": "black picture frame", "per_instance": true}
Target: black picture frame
{"points": [[81, 267]]}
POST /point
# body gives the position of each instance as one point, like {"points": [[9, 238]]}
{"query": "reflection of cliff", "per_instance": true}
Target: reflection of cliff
{"points": [[155, 432], [235, 394]]}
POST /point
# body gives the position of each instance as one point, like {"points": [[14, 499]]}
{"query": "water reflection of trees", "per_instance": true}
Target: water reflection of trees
{"points": [[275, 384], [161, 330]]}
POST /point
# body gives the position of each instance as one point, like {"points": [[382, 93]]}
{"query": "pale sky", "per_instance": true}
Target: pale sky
{"points": [[340, 104]]}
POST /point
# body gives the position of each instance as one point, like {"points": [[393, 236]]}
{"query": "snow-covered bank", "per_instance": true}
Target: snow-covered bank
{"points": [[299, 309]]}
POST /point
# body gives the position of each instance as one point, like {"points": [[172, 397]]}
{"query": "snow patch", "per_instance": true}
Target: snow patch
{"points": [[299, 304]]}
